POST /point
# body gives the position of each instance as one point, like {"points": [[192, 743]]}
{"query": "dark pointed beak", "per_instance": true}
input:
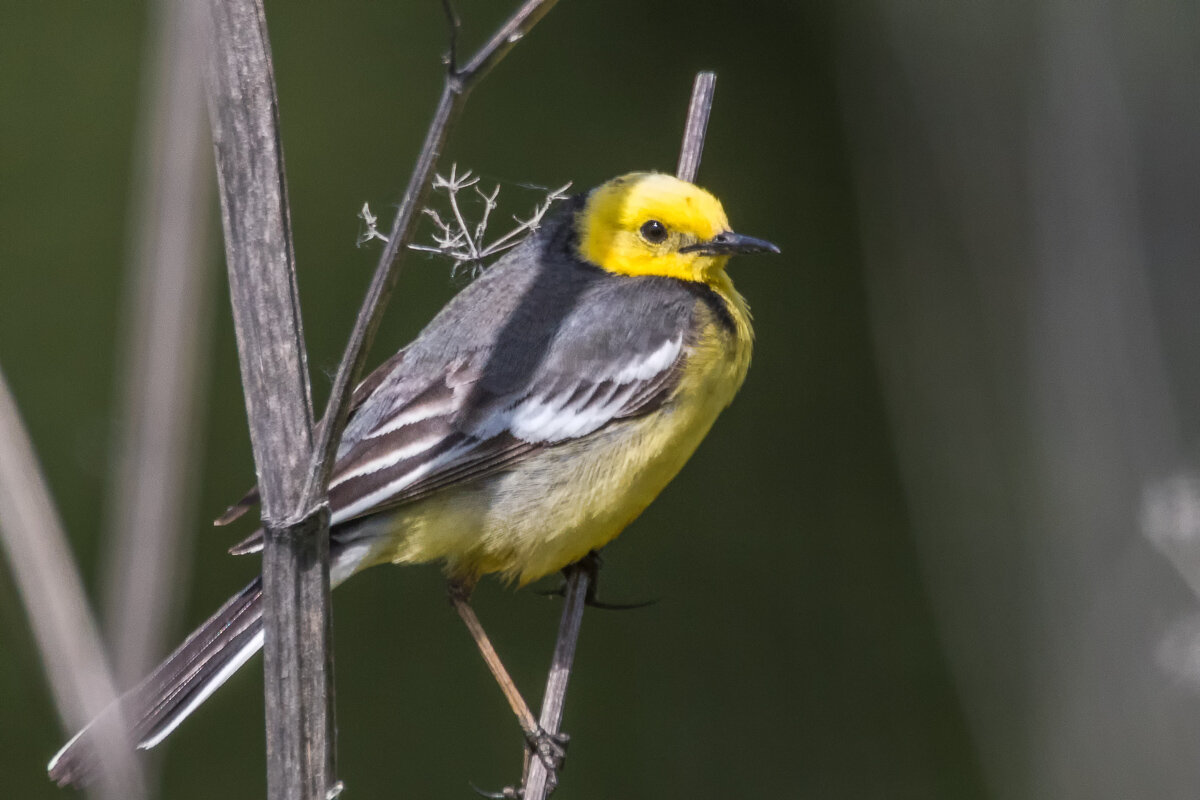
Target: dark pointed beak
{"points": [[727, 243]]}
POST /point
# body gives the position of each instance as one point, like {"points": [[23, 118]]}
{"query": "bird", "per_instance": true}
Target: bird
{"points": [[535, 417]]}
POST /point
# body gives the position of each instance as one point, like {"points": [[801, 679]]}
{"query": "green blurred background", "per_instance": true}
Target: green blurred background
{"points": [[826, 626]]}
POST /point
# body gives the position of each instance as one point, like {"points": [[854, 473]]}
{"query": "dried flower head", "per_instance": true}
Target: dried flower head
{"points": [[457, 239]]}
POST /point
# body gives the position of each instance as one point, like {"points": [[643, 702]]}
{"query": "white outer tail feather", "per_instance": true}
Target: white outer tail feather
{"points": [[215, 682], [345, 563]]}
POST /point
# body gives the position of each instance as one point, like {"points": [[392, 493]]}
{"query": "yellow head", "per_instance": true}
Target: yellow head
{"points": [[646, 223]]}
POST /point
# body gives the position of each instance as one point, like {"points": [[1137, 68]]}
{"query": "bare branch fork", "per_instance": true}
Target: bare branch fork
{"points": [[539, 783], [293, 469]]}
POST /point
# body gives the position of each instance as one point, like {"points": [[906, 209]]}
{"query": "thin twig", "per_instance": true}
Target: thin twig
{"points": [[458, 84], [537, 785], [697, 125], [297, 652], [528, 722], [52, 592], [538, 782]]}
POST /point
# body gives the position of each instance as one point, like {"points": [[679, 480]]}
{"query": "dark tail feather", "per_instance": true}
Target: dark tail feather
{"points": [[153, 708]]}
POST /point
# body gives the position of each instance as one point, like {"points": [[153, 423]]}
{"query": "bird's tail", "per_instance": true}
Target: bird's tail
{"points": [[154, 707]]}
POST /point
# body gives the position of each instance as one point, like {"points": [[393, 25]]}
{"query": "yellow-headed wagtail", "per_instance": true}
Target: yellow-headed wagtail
{"points": [[533, 419]]}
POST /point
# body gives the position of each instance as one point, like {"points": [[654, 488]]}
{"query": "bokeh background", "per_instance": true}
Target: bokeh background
{"points": [[945, 543]]}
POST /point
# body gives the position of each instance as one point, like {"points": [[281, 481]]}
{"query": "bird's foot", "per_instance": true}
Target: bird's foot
{"points": [[591, 563], [549, 748], [507, 793]]}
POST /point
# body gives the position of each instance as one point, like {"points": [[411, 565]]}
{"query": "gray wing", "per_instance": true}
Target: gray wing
{"points": [[534, 353], [470, 420]]}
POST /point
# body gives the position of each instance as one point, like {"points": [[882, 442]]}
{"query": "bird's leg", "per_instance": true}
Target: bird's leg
{"points": [[550, 748]]}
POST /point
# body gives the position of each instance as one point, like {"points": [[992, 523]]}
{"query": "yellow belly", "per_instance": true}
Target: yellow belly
{"points": [[551, 509]]}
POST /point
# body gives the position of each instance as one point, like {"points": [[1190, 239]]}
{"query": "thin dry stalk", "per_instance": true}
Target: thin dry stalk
{"points": [[297, 652], [538, 782], [703, 88], [458, 84], [52, 592]]}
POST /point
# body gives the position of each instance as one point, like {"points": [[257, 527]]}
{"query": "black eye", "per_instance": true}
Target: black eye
{"points": [[654, 232]]}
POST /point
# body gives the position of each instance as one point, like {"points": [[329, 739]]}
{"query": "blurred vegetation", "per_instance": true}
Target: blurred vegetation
{"points": [[797, 650]]}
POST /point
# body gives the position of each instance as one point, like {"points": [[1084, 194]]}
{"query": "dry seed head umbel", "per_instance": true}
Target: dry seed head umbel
{"points": [[457, 239]]}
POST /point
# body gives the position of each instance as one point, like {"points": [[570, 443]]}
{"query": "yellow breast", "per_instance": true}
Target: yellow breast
{"points": [[553, 508]]}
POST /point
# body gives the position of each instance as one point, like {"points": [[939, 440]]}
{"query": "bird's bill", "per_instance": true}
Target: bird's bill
{"points": [[728, 243]]}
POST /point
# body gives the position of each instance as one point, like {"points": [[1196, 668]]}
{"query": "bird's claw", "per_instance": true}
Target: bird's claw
{"points": [[591, 564], [550, 749], [603, 606], [590, 600], [507, 793]]}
